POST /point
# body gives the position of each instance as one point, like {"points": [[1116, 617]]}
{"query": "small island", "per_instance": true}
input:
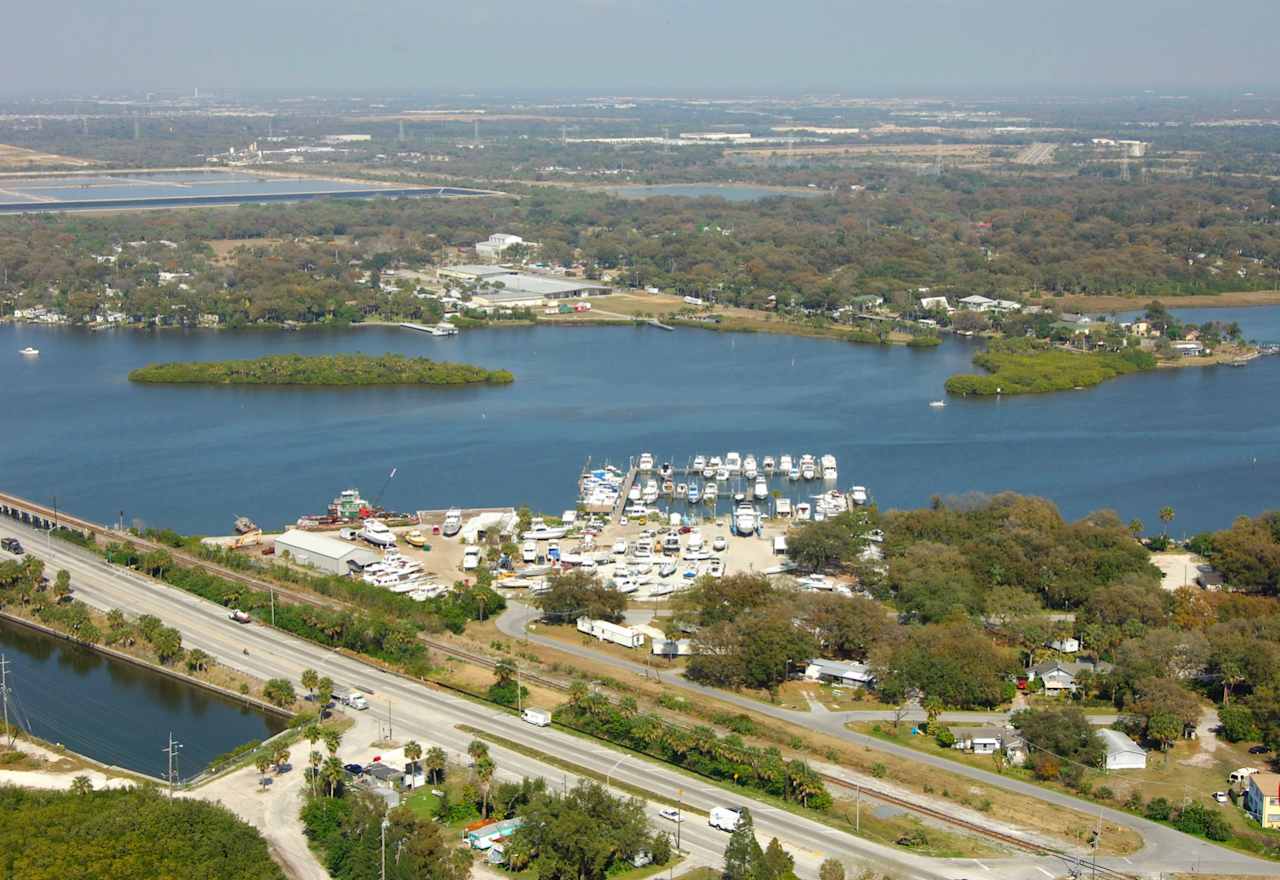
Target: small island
{"points": [[321, 370], [1025, 366]]}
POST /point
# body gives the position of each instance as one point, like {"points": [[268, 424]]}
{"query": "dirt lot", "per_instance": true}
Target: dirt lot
{"points": [[1179, 569], [21, 159]]}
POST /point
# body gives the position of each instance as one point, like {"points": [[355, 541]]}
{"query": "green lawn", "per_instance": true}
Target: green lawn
{"points": [[422, 802]]}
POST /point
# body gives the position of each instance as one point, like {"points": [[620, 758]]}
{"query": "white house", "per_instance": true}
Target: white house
{"points": [[1066, 645], [836, 672], [1060, 676], [929, 303], [1122, 752], [496, 244], [977, 303]]}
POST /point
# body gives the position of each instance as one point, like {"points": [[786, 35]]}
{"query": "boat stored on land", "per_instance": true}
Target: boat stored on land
{"points": [[376, 532], [452, 522]]}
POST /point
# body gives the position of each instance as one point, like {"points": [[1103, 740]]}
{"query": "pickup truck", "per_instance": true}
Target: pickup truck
{"points": [[12, 545], [353, 700]]}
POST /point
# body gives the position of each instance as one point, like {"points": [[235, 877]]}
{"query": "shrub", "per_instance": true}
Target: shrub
{"points": [[1159, 809]]}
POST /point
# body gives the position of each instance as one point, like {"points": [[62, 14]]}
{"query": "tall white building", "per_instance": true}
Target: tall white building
{"points": [[496, 244]]}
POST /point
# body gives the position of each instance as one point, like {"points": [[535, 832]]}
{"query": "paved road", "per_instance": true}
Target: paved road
{"points": [[432, 716], [1166, 850]]}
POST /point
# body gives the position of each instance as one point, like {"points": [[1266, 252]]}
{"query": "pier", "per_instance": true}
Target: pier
{"points": [[627, 482]]}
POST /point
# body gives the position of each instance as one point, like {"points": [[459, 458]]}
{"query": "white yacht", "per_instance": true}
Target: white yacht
{"points": [[650, 493], [682, 489], [749, 469], [540, 531], [829, 467], [646, 461], [802, 510], [784, 464], [668, 487], [452, 522], [722, 474], [710, 491], [784, 507], [376, 532], [715, 462], [937, 404], [745, 520], [761, 489], [793, 473], [699, 462], [529, 551], [635, 492], [808, 467], [858, 495], [29, 351], [768, 465], [732, 462], [708, 472]]}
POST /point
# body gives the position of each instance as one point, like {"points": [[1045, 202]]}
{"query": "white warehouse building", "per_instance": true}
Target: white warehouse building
{"points": [[322, 552]]}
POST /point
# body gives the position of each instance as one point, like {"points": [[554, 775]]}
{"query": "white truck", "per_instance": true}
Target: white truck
{"points": [[725, 818], [537, 717], [353, 700]]}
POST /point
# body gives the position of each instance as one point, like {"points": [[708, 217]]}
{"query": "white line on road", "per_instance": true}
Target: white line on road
{"points": [[1043, 871], [980, 865]]}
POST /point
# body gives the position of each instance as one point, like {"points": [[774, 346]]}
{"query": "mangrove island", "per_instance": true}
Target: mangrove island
{"points": [[330, 370]]}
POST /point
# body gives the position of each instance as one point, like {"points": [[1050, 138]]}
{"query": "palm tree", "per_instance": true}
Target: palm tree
{"points": [[310, 678], [628, 707], [312, 734], [578, 693], [505, 670], [484, 773], [933, 707], [82, 785], [280, 758], [1137, 527], [332, 739], [262, 762], [1166, 517], [412, 752], [477, 749], [333, 773], [435, 763], [316, 759]]}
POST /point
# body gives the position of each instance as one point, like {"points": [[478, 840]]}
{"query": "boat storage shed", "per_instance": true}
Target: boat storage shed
{"points": [[322, 552]]}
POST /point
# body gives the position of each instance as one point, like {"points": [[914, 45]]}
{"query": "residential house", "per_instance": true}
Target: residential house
{"points": [[977, 303], [836, 672], [989, 740], [1059, 675], [929, 303], [1189, 349], [1066, 645], [1122, 752], [1005, 305], [1262, 799], [1209, 578]]}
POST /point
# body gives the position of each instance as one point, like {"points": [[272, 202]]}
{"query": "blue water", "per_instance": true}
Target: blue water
{"points": [[1204, 440], [118, 713], [728, 192]]}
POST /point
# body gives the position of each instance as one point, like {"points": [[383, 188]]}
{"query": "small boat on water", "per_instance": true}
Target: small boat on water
{"points": [[793, 473], [722, 474], [668, 487], [714, 462], [761, 488], [937, 404], [808, 467], [244, 525], [646, 461], [768, 465], [858, 495], [634, 493], [710, 491], [692, 491], [650, 493], [708, 472], [452, 522], [732, 462], [699, 462], [784, 464], [829, 467], [29, 351], [802, 510], [681, 490], [749, 468]]}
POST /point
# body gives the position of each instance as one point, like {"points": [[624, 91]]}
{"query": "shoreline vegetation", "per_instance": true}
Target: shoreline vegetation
{"points": [[1020, 366], [321, 370]]}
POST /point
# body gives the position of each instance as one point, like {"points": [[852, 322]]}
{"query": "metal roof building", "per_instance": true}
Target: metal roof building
{"points": [[322, 552]]}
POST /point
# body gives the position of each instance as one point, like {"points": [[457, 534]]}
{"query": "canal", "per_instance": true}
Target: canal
{"points": [[118, 713]]}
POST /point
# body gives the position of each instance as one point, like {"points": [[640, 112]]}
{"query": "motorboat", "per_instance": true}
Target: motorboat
{"points": [[793, 473], [693, 491], [715, 462], [682, 490], [671, 544], [858, 495], [666, 471], [452, 522], [808, 467], [668, 487], [716, 568], [529, 551], [619, 548], [695, 541], [719, 544], [937, 404], [829, 467], [667, 569], [749, 468], [375, 531], [699, 462], [710, 491], [802, 511], [29, 351], [732, 462], [650, 493], [745, 519], [543, 532], [415, 538], [646, 461], [767, 465], [244, 525], [722, 474], [708, 472], [634, 493], [783, 507], [761, 488]]}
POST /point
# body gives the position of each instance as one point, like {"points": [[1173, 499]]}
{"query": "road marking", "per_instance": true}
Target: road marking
{"points": [[980, 865], [1127, 860], [1043, 871]]}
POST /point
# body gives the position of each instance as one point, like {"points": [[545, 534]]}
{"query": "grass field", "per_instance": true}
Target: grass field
{"points": [[21, 159]]}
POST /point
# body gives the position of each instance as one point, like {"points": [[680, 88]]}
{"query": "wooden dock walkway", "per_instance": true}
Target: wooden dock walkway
{"points": [[627, 482]]}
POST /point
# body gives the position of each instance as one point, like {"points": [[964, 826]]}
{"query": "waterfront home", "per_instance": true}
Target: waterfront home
{"points": [[1262, 799], [976, 303], [1059, 676], [929, 303], [836, 672], [1122, 752], [1189, 349]]}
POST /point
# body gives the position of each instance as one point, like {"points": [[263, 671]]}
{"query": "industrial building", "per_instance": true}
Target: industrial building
{"points": [[509, 288], [322, 552], [493, 248]]}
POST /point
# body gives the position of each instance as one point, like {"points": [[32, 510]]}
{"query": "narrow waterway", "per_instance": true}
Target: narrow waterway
{"points": [[119, 713]]}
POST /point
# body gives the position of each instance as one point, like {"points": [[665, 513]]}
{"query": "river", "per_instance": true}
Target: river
{"points": [[118, 713], [1203, 440]]}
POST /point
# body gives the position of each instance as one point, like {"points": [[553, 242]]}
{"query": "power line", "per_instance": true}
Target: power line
{"points": [[4, 692], [172, 753]]}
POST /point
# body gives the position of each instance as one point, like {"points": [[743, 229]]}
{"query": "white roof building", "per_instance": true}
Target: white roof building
{"points": [[977, 303], [837, 672], [1122, 752], [322, 552], [493, 247], [929, 303]]}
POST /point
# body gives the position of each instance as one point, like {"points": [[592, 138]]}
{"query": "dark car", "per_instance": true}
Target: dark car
{"points": [[353, 769], [12, 545], [1258, 750]]}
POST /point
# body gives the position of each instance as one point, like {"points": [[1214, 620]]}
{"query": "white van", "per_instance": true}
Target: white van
{"points": [[537, 717], [1237, 776], [725, 818], [471, 559]]}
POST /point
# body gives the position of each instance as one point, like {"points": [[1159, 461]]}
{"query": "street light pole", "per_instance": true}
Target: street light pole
{"points": [[385, 823], [679, 815]]}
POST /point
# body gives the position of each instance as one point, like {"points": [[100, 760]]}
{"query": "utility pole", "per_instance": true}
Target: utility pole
{"points": [[4, 692], [385, 823], [679, 815], [389, 736], [172, 753], [857, 813], [1097, 840], [519, 703], [273, 606]]}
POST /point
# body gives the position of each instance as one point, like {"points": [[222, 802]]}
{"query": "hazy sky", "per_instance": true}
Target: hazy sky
{"points": [[637, 45]]}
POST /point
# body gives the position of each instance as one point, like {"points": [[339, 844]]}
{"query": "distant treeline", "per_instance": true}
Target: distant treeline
{"points": [[333, 369]]}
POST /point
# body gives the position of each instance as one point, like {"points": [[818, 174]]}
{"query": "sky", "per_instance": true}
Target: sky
{"points": [[639, 46]]}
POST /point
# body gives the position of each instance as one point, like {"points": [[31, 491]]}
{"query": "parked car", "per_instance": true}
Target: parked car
{"points": [[1258, 750], [354, 769]]}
